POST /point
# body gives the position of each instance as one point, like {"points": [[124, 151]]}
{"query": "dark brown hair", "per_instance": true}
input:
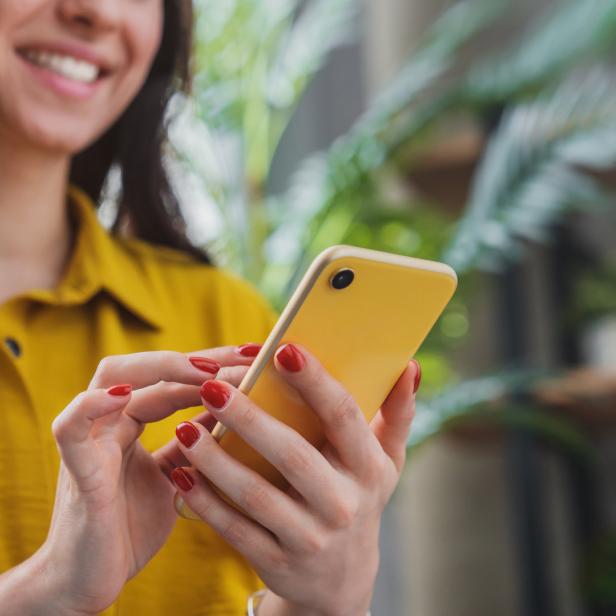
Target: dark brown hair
{"points": [[136, 142]]}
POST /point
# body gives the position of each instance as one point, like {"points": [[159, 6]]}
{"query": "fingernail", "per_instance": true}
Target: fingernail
{"points": [[120, 390], [204, 364], [187, 433], [290, 358], [249, 350], [215, 393], [182, 479], [417, 375]]}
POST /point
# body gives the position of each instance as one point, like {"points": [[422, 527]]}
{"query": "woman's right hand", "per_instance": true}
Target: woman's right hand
{"points": [[114, 502]]}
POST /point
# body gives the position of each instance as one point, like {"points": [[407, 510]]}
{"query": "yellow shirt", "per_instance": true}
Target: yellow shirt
{"points": [[116, 296]]}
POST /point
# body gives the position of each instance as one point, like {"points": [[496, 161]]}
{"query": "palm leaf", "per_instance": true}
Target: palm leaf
{"points": [[232, 38], [570, 33], [474, 400], [530, 172], [338, 177]]}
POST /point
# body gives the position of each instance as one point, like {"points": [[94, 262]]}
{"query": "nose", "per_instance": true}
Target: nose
{"points": [[91, 14]]}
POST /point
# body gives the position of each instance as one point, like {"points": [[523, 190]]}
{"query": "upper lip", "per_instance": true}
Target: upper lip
{"points": [[75, 50]]}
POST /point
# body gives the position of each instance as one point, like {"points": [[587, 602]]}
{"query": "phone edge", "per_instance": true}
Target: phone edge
{"points": [[320, 262]]}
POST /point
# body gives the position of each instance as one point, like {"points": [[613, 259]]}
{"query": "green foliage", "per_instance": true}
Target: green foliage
{"points": [[254, 59], [557, 123], [343, 177], [572, 34], [474, 400], [595, 294], [531, 173]]}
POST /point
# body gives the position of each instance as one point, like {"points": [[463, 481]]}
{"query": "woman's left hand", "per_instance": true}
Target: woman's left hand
{"points": [[316, 545]]}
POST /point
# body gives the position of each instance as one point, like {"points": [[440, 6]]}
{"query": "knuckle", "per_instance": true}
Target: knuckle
{"points": [[278, 560], [106, 366], [250, 415], [344, 411], [80, 399], [171, 357], [314, 543], [343, 514], [234, 532], [296, 459], [58, 427], [256, 497]]}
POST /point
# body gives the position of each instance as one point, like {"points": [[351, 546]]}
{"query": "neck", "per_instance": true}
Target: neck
{"points": [[35, 231]]}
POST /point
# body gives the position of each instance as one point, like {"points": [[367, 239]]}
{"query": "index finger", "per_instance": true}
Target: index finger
{"points": [[343, 422], [150, 367]]}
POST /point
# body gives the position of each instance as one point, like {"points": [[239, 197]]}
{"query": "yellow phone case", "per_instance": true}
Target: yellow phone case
{"points": [[364, 335]]}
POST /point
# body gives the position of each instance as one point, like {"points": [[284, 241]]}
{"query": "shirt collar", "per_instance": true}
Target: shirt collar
{"points": [[101, 261]]}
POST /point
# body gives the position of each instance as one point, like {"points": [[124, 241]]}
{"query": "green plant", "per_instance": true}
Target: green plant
{"points": [[595, 294], [256, 58]]}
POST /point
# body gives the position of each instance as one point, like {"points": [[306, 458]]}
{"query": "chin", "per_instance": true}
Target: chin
{"points": [[62, 135]]}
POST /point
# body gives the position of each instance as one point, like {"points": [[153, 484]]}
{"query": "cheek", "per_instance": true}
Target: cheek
{"points": [[142, 47], [39, 116]]}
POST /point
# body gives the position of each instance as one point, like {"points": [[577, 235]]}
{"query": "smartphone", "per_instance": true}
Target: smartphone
{"points": [[363, 314]]}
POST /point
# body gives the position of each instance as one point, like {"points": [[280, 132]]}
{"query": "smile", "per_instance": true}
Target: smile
{"points": [[66, 66]]}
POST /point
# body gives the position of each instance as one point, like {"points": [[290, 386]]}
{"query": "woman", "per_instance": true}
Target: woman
{"points": [[87, 521]]}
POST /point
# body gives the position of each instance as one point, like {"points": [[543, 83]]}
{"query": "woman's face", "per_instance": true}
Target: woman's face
{"points": [[69, 68]]}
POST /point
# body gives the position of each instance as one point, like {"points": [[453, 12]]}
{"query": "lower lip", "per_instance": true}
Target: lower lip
{"points": [[62, 85]]}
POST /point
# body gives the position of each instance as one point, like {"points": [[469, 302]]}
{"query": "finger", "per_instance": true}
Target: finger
{"points": [[158, 401], [240, 355], [150, 367], [392, 423], [231, 374], [72, 427], [249, 538], [301, 464], [256, 496], [170, 456], [343, 422], [155, 402]]}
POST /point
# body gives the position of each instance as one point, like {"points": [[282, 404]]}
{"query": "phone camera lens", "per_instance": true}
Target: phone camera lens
{"points": [[342, 279]]}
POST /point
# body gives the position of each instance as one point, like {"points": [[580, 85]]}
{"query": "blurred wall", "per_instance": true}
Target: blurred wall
{"points": [[392, 28]]}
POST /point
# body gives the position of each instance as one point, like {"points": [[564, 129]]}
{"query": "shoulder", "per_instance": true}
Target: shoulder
{"points": [[183, 285]]}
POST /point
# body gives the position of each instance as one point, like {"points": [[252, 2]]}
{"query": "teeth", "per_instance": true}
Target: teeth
{"points": [[67, 66]]}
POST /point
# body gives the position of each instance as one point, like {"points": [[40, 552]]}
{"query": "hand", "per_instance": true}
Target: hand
{"points": [[114, 507], [316, 545]]}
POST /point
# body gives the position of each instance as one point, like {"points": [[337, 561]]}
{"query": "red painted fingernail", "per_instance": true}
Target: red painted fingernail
{"points": [[215, 393], [417, 375], [120, 390], [204, 364], [249, 350], [291, 358], [182, 479], [187, 433]]}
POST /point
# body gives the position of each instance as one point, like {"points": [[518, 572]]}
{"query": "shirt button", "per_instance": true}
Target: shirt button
{"points": [[13, 346]]}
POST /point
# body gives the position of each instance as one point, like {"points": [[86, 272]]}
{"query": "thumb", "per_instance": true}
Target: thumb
{"points": [[73, 426], [392, 423]]}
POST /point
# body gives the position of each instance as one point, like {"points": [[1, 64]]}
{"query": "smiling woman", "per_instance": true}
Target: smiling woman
{"points": [[98, 329]]}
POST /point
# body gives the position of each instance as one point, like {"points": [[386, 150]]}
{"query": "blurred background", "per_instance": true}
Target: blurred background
{"points": [[481, 133]]}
